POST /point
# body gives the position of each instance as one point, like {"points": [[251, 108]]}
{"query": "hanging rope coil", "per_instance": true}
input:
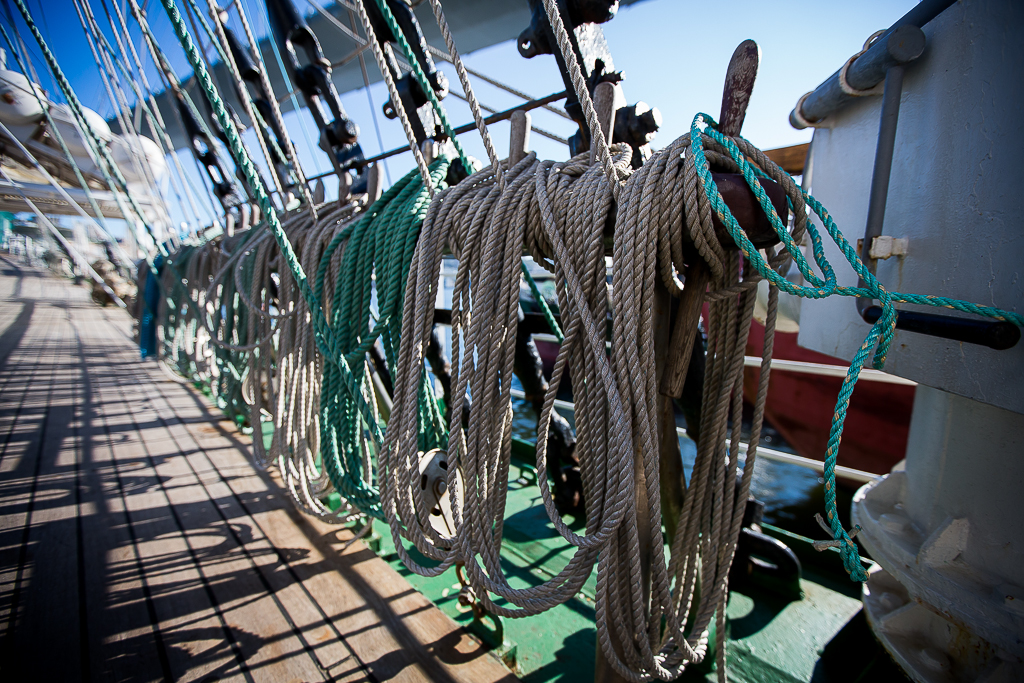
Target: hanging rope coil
{"points": [[558, 212], [322, 401]]}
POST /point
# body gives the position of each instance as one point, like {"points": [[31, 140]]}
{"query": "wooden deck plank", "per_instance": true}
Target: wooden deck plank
{"points": [[373, 621], [193, 564], [48, 579], [17, 477], [259, 625], [195, 637], [122, 610]]}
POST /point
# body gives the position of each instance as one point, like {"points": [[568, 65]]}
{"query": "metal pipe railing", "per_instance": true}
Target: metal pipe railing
{"points": [[902, 43]]}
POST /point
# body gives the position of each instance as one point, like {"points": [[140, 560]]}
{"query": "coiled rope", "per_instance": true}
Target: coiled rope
{"points": [[557, 212]]}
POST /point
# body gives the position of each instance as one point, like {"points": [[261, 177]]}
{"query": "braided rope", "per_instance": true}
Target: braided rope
{"points": [[275, 110], [421, 77], [614, 173]]}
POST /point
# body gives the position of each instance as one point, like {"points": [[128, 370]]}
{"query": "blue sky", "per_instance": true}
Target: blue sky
{"points": [[673, 52]]}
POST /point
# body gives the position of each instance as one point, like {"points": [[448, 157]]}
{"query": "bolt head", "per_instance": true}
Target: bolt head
{"points": [[346, 131]]}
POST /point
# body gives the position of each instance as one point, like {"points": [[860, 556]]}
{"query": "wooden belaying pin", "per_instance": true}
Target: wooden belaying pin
{"points": [[604, 102], [519, 139]]}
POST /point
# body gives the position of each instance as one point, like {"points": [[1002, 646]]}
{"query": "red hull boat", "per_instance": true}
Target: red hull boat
{"points": [[800, 407]]}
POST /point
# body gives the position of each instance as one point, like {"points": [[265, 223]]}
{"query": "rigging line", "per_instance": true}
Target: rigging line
{"points": [[358, 53], [275, 109], [27, 54], [265, 18], [46, 26], [337, 23], [535, 129], [108, 168], [495, 82], [373, 114], [82, 262], [102, 224], [247, 106], [120, 104], [404, 64], [208, 204], [191, 8], [363, 43], [143, 94], [138, 157], [192, 12], [380, 53], [171, 82], [160, 128], [122, 255]]}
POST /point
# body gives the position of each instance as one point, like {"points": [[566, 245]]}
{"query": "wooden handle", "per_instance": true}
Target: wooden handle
{"points": [[519, 140], [739, 84], [604, 103], [698, 276]]}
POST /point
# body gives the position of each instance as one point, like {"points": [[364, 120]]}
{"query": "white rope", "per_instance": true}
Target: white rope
{"points": [[243, 95], [557, 212], [579, 84], [396, 100], [275, 109]]}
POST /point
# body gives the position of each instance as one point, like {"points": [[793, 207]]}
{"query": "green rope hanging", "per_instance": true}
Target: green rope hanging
{"points": [[882, 331]]}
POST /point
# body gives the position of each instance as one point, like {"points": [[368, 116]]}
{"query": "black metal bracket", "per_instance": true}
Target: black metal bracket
{"points": [[206, 153], [424, 123], [636, 124], [995, 334], [339, 135], [763, 561]]}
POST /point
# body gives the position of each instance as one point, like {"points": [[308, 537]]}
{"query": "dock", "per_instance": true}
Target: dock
{"points": [[139, 542]]}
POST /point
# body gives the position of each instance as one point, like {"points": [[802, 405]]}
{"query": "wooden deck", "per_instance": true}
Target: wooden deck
{"points": [[138, 543]]}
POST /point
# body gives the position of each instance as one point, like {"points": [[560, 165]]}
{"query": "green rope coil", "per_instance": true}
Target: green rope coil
{"points": [[372, 274], [881, 333]]}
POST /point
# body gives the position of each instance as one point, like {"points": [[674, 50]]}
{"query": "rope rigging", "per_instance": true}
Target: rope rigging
{"points": [[278, 321], [108, 166], [556, 212]]}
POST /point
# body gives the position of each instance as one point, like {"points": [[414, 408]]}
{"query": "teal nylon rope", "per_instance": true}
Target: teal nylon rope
{"points": [[881, 332], [378, 250]]}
